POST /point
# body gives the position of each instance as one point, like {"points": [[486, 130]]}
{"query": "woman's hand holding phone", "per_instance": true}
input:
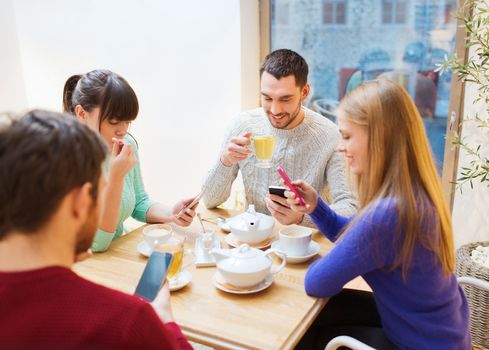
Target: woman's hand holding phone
{"points": [[184, 211], [288, 182], [308, 194]]}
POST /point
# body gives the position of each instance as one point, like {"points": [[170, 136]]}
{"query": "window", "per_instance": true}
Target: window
{"points": [[394, 11], [280, 12], [356, 50], [334, 12]]}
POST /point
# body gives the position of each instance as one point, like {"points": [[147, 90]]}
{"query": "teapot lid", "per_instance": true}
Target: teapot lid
{"points": [[244, 251], [245, 259], [250, 220]]}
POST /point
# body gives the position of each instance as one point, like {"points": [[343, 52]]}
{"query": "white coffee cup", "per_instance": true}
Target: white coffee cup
{"points": [[157, 233], [295, 240]]}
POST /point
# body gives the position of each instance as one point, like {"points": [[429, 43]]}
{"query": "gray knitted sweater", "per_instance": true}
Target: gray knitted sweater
{"points": [[306, 152]]}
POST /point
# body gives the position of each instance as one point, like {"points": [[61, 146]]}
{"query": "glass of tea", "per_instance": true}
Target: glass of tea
{"points": [[264, 145], [175, 246]]}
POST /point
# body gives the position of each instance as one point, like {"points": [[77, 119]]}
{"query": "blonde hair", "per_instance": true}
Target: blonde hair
{"points": [[400, 166]]}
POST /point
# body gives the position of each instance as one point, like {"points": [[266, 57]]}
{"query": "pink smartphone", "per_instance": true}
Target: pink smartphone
{"points": [[287, 181]]}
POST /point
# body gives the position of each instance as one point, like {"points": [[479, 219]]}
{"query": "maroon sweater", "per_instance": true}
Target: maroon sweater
{"points": [[53, 308]]}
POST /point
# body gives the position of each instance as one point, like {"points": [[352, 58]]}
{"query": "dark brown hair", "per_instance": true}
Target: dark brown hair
{"points": [[43, 156], [282, 63], [101, 88]]}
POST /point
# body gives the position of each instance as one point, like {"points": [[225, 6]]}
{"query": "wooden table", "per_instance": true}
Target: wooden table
{"points": [[275, 318]]}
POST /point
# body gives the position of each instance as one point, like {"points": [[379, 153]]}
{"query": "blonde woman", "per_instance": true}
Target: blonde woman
{"points": [[400, 241]]}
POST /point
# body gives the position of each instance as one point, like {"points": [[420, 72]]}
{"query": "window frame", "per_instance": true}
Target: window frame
{"points": [[394, 13], [335, 4]]}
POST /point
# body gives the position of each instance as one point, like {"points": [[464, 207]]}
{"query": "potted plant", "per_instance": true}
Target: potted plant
{"points": [[474, 15]]}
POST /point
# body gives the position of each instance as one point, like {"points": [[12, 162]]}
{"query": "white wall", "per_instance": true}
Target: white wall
{"points": [[12, 90], [183, 58], [250, 57]]}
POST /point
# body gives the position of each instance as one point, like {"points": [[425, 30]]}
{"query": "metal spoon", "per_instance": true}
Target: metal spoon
{"points": [[207, 237], [222, 223], [201, 223]]}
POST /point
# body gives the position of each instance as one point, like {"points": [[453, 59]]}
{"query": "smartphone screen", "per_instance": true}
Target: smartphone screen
{"points": [[277, 190], [153, 275]]}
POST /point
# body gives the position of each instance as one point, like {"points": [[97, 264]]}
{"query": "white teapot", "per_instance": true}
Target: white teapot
{"points": [[251, 227], [245, 266]]}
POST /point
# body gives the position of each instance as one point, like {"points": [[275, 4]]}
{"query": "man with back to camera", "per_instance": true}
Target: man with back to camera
{"points": [[305, 145], [50, 185]]}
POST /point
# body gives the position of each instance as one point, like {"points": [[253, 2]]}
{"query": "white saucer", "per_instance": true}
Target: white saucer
{"points": [[313, 249], [234, 242], [144, 249], [183, 278], [258, 288]]}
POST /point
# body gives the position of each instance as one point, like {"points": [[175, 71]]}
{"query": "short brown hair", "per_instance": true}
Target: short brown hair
{"points": [[284, 62], [43, 156]]}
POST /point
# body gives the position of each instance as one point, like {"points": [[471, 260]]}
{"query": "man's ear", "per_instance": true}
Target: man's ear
{"points": [[80, 112], [82, 201], [305, 92]]}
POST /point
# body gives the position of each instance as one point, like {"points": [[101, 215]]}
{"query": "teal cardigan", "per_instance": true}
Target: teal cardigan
{"points": [[135, 202]]}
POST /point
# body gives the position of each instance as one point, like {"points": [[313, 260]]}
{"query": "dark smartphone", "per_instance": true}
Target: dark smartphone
{"points": [[277, 190], [153, 275]]}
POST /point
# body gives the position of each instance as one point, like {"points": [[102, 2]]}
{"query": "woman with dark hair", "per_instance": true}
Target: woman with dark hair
{"points": [[400, 241], [107, 103]]}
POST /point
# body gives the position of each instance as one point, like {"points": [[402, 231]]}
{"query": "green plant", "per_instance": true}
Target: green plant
{"points": [[474, 16]]}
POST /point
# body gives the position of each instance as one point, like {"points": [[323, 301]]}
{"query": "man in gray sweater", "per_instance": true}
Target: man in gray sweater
{"points": [[305, 146]]}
